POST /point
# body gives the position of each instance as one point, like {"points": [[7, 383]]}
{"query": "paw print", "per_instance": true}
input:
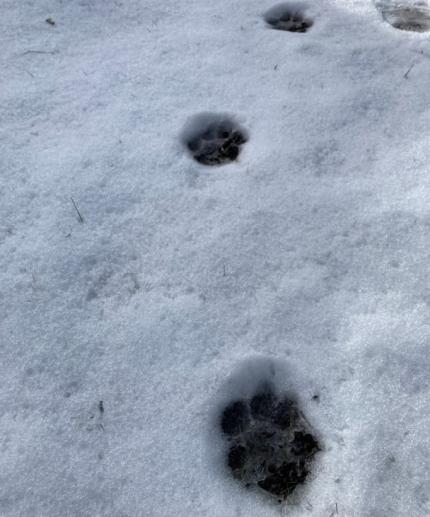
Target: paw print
{"points": [[270, 444], [406, 17], [214, 139], [288, 17]]}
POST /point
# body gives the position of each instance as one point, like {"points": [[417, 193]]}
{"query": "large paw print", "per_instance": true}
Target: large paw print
{"points": [[271, 445]]}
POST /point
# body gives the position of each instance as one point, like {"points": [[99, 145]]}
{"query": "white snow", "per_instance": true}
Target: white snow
{"points": [[312, 250]]}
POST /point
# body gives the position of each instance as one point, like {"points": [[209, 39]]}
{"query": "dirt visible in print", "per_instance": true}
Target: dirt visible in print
{"points": [[288, 17], [271, 445], [217, 142]]}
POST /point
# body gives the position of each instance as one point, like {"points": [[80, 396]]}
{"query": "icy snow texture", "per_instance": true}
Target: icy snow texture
{"points": [[313, 248], [409, 15]]}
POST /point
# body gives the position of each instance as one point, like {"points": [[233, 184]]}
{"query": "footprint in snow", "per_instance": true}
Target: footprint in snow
{"points": [[270, 444], [289, 17], [406, 16], [214, 139]]}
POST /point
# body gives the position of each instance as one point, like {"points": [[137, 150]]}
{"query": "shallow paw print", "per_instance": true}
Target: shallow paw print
{"points": [[405, 16], [289, 17], [271, 445], [94, 419], [214, 139], [100, 282], [110, 284]]}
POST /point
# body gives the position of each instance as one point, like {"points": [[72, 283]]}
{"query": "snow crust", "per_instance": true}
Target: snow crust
{"points": [[311, 250]]}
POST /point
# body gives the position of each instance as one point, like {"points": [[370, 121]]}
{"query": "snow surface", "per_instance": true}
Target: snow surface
{"points": [[311, 251]]}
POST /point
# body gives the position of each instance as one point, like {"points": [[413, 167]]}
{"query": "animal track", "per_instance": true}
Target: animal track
{"points": [[288, 17], [404, 17], [214, 139], [271, 445]]}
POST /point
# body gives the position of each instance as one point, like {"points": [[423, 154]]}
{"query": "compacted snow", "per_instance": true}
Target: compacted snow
{"points": [[138, 285]]}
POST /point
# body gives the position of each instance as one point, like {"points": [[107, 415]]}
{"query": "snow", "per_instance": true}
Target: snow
{"points": [[311, 251]]}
